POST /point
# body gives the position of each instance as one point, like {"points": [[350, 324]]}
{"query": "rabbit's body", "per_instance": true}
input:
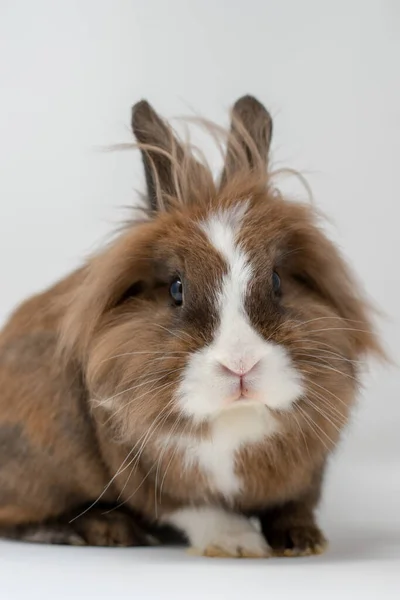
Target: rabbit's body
{"points": [[199, 370], [58, 455], [52, 460]]}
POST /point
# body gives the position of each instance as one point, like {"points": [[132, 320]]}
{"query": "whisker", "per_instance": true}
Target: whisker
{"points": [[134, 387], [146, 439], [146, 432], [121, 469], [312, 424], [170, 353], [319, 360], [329, 392], [131, 495], [338, 329], [315, 343], [284, 324], [302, 432], [334, 355], [154, 390], [135, 398], [328, 367], [301, 323], [135, 491], [320, 411], [173, 429], [329, 405], [105, 488], [174, 333], [174, 454]]}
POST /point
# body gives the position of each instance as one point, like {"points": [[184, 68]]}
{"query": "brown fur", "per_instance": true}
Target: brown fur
{"points": [[74, 427]]}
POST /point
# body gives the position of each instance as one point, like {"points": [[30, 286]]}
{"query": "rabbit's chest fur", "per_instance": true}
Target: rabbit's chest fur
{"points": [[215, 462]]}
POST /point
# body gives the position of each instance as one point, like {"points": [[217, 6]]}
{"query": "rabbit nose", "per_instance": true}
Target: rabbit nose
{"points": [[239, 370]]}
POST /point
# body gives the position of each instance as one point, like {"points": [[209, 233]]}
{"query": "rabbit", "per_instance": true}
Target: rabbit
{"points": [[188, 383]]}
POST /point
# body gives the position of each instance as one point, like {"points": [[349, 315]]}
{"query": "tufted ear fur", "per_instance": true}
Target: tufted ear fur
{"points": [[122, 269], [172, 173], [249, 139], [318, 257]]}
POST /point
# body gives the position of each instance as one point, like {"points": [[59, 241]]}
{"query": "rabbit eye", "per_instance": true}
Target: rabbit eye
{"points": [[176, 291], [276, 282]]}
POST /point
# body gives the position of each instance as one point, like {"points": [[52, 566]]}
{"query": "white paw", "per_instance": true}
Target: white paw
{"points": [[213, 532], [247, 544]]}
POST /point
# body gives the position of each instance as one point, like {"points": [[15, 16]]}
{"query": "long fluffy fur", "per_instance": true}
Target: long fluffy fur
{"points": [[73, 358]]}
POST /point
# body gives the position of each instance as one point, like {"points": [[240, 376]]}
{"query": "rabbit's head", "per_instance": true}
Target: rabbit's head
{"points": [[229, 302]]}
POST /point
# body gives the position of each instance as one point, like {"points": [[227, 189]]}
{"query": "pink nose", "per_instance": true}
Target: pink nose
{"points": [[239, 371]]}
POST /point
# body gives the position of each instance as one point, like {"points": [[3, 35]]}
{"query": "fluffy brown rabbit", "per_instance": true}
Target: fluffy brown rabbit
{"points": [[194, 374]]}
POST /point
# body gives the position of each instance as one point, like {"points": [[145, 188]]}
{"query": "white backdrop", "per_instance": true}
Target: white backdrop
{"points": [[329, 73]]}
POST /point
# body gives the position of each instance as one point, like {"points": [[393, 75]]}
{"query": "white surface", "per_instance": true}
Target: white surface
{"points": [[328, 71], [360, 516]]}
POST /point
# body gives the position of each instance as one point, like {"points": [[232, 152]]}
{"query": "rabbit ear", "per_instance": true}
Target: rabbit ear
{"points": [[169, 165], [249, 139]]}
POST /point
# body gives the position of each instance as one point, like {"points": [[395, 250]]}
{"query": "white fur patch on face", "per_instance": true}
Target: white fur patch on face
{"points": [[211, 388], [209, 384]]}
